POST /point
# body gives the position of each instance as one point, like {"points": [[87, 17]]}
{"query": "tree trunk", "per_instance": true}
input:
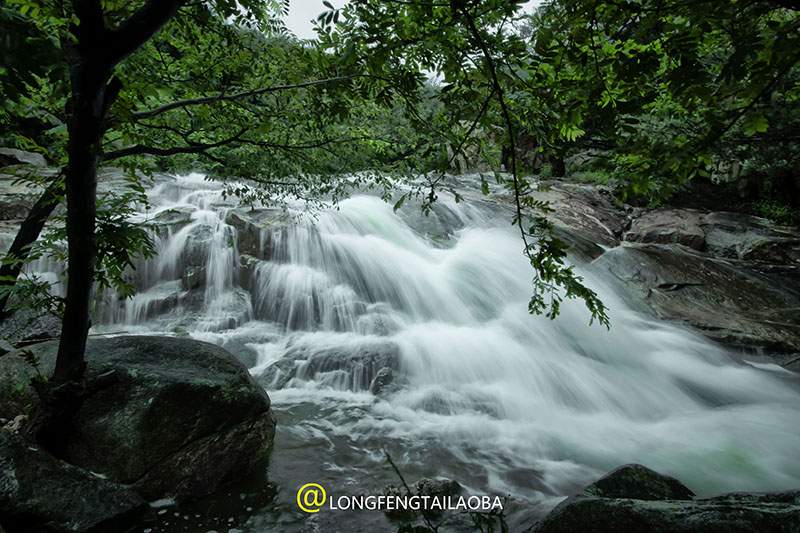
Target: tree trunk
{"points": [[28, 233], [63, 395], [558, 166], [85, 123]]}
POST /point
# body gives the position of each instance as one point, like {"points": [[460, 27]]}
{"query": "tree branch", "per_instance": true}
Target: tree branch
{"points": [[197, 148], [140, 27], [222, 97]]}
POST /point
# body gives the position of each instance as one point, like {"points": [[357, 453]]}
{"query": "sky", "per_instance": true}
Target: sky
{"points": [[302, 12]]}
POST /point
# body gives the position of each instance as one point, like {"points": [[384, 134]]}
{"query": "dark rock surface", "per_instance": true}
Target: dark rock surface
{"points": [[345, 368], [733, 277], [637, 481], [41, 493], [179, 418], [26, 327], [729, 301], [256, 229], [382, 381], [678, 226], [637, 500]]}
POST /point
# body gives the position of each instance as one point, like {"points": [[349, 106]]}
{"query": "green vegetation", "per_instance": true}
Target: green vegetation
{"points": [[656, 93]]}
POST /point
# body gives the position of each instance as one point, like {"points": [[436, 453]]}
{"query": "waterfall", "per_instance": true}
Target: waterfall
{"points": [[430, 313]]}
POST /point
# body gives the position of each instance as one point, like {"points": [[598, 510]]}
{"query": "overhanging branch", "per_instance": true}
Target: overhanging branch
{"points": [[222, 97], [140, 27]]}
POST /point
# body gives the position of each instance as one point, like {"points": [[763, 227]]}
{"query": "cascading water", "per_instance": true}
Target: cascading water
{"points": [[431, 313]]}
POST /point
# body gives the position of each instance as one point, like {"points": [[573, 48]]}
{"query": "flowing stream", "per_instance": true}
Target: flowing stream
{"points": [[431, 312]]}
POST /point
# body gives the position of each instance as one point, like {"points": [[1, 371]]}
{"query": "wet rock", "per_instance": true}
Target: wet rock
{"points": [[198, 242], [639, 482], [179, 418], [638, 500], [722, 234], [26, 326], [751, 238], [438, 488], [591, 212], [382, 380], [17, 197], [12, 156], [41, 493], [348, 367], [679, 226], [247, 266], [171, 220], [729, 301], [255, 229], [193, 277]]}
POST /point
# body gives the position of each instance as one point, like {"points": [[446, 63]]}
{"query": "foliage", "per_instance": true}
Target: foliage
{"points": [[665, 91], [478, 56], [674, 90]]}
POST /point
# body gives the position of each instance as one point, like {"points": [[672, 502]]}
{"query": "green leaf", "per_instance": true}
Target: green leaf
{"points": [[400, 202]]}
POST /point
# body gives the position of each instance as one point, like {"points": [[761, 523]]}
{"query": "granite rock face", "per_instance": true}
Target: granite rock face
{"points": [[733, 277]]}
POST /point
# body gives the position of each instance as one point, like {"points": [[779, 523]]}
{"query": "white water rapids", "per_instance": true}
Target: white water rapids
{"points": [[504, 402]]}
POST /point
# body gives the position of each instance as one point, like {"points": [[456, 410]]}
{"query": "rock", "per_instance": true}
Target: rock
{"points": [[171, 220], [16, 197], [728, 301], [723, 234], [17, 398], [12, 156], [195, 251], [731, 514], [255, 229], [16, 425], [247, 267], [589, 211], [180, 419], [440, 487], [348, 367], [26, 326], [639, 482], [381, 381], [637, 500], [667, 226], [193, 277], [40, 493], [751, 238]]}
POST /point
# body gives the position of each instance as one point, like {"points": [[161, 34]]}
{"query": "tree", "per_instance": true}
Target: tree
{"points": [[232, 112], [672, 90], [474, 49]]}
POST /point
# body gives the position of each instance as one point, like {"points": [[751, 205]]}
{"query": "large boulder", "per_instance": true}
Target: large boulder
{"points": [[722, 234], [728, 300], [41, 493], [175, 418], [27, 326], [751, 238], [590, 211], [635, 499], [256, 229], [681, 226]]}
